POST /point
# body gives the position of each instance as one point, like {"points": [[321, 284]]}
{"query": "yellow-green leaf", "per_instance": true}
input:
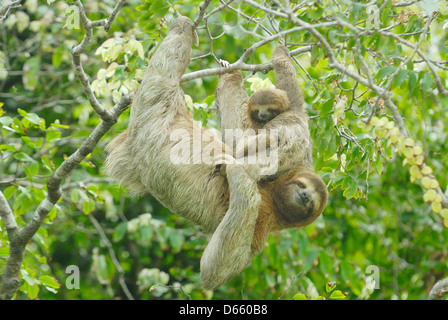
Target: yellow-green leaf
{"points": [[430, 195], [300, 296], [436, 207], [444, 213], [49, 281], [338, 295]]}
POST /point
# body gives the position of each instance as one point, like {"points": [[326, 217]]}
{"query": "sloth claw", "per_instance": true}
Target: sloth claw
{"points": [[224, 63]]}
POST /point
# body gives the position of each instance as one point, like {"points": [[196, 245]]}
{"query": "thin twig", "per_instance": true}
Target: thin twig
{"points": [[290, 285], [113, 256], [405, 4], [114, 14], [83, 78], [7, 6], [202, 7]]}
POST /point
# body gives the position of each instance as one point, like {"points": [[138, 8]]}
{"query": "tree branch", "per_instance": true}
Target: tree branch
{"points": [[405, 4], [439, 290], [202, 7], [6, 214], [7, 6], [114, 14], [76, 53]]}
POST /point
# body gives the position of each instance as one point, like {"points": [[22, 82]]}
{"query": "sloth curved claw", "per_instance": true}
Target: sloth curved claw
{"points": [[224, 63]]}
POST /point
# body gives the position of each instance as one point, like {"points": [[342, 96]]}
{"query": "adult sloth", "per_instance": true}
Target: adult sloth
{"points": [[239, 212]]}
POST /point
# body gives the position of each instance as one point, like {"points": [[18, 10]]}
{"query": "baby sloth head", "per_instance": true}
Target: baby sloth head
{"points": [[265, 104]]}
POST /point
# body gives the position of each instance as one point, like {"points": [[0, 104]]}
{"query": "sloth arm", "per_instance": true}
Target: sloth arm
{"points": [[285, 78], [231, 101], [230, 248]]}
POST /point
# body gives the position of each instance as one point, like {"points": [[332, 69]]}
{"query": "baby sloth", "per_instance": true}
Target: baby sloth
{"points": [[276, 113], [266, 104]]}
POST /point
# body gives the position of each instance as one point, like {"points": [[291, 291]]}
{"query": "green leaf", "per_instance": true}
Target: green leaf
{"points": [[52, 214], [146, 234], [23, 157], [6, 121], [300, 296], [52, 135], [101, 267], [379, 166], [31, 70], [42, 125], [58, 56], [412, 81], [412, 22], [93, 190], [197, 115], [384, 72], [88, 206], [309, 260], [120, 231], [32, 291], [74, 196], [325, 263], [34, 118], [329, 286], [326, 107], [38, 143], [7, 147], [49, 281], [28, 279], [332, 145], [346, 270], [314, 55], [57, 125], [176, 240], [22, 112], [32, 170], [338, 295], [4, 251], [9, 192], [209, 100], [316, 14], [401, 77], [427, 82], [160, 8], [47, 162], [27, 140]]}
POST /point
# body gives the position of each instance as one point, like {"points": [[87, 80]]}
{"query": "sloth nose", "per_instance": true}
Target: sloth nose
{"points": [[263, 115], [303, 196]]}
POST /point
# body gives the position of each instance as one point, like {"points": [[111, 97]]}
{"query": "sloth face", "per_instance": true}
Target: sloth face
{"points": [[265, 104], [302, 195], [262, 114], [300, 200]]}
